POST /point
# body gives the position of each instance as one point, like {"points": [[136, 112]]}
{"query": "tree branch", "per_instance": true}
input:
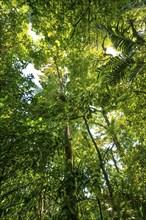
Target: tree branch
{"points": [[100, 159]]}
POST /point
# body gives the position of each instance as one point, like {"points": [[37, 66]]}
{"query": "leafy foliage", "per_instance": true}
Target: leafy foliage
{"points": [[73, 148]]}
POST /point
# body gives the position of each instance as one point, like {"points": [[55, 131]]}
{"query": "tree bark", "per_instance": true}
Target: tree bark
{"points": [[100, 160], [70, 208]]}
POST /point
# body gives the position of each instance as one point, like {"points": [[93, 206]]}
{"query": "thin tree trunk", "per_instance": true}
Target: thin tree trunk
{"points": [[100, 210], [42, 205], [69, 211], [100, 160], [70, 207], [68, 147], [115, 162]]}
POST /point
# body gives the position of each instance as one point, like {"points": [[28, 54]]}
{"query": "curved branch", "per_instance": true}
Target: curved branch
{"points": [[100, 159]]}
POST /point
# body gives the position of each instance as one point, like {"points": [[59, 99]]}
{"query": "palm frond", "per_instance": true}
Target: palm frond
{"points": [[124, 37], [115, 69], [127, 39]]}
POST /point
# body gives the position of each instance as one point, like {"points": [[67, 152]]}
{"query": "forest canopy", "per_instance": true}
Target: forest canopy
{"points": [[73, 148]]}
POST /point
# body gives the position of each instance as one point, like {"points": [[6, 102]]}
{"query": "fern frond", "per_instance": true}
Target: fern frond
{"points": [[115, 70], [124, 37]]}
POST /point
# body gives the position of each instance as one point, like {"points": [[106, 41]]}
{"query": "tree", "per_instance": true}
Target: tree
{"points": [[69, 149]]}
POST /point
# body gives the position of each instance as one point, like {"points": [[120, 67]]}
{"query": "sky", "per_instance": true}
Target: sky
{"points": [[30, 67], [31, 70], [112, 51]]}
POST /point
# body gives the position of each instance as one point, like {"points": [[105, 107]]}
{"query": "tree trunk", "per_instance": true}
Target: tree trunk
{"points": [[70, 203], [42, 205], [100, 160]]}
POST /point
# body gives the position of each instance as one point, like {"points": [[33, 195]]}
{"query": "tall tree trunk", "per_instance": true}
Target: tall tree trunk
{"points": [[69, 211], [42, 205], [70, 207]]}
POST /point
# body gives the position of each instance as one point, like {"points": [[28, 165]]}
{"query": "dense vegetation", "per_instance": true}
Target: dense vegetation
{"points": [[73, 148]]}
